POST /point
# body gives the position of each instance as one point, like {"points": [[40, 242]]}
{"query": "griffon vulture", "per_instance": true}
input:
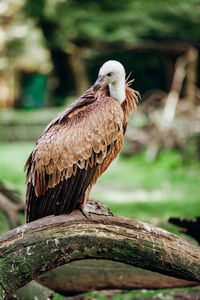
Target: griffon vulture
{"points": [[78, 146]]}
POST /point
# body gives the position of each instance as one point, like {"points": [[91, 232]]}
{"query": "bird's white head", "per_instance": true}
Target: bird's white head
{"points": [[112, 73]]}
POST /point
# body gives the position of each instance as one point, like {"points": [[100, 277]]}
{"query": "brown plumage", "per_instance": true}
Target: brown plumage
{"points": [[74, 150]]}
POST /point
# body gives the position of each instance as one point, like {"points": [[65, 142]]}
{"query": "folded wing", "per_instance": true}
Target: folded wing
{"points": [[68, 154]]}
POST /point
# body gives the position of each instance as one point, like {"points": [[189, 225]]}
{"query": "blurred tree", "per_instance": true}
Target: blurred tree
{"points": [[81, 22], [70, 25], [67, 27]]}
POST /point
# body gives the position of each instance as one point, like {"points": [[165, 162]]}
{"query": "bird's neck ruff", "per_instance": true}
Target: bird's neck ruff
{"points": [[131, 101], [117, 90], [131, 97]]}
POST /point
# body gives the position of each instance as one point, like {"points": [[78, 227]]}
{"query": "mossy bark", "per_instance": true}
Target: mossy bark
{"points": [[35, 248], [104, 275]]}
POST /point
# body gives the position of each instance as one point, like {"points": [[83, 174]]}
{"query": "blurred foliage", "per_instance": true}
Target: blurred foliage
{"points": [[79, 21], [103, 27], [25, 125], [14, 47], [161, 294], [45, 32]]}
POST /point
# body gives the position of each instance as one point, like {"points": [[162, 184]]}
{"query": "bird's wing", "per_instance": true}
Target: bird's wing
{"points": [[86, 99], [67, 155]]}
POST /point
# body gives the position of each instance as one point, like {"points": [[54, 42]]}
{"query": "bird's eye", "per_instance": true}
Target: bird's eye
{"points": [[109, 74]]}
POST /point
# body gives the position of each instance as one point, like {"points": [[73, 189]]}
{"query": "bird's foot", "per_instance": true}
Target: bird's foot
{"points": [[95, 207]]}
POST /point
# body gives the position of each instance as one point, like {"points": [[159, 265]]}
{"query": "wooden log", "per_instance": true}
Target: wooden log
{"points": [[93, 274], [78, 68], [35, 248]]}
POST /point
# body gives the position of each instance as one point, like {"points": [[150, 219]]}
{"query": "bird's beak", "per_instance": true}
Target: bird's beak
{"points": [[99, 83]]}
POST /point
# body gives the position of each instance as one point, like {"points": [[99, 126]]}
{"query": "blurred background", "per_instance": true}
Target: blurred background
{"points": [[51, 52]]}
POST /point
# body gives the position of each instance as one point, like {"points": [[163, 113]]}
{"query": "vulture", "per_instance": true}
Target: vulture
{"points": [[79, 145]]}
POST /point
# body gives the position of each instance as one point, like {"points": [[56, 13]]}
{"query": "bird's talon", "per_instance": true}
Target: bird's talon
{"points": [[95, 207], [85, 213]]}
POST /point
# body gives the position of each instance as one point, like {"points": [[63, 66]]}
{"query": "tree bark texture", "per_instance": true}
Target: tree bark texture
{"points": [[192, 74], [78, 68], [93, 274], [174, 94], [35, 248], [185, 66]]}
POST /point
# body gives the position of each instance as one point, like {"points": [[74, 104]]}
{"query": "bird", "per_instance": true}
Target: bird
{"points": [[78, 145]]}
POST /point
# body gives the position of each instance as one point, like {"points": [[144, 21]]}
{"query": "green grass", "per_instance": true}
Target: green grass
{"points": [[161, 189], [176, 293], [12, 160], [13, 157]]}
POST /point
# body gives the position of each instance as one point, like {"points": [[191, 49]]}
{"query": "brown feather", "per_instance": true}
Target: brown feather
{"points": [[129, 105], [74, 150]]}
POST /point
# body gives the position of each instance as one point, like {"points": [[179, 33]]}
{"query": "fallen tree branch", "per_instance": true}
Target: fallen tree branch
{"points": [[35, 248], [111, 275]]}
